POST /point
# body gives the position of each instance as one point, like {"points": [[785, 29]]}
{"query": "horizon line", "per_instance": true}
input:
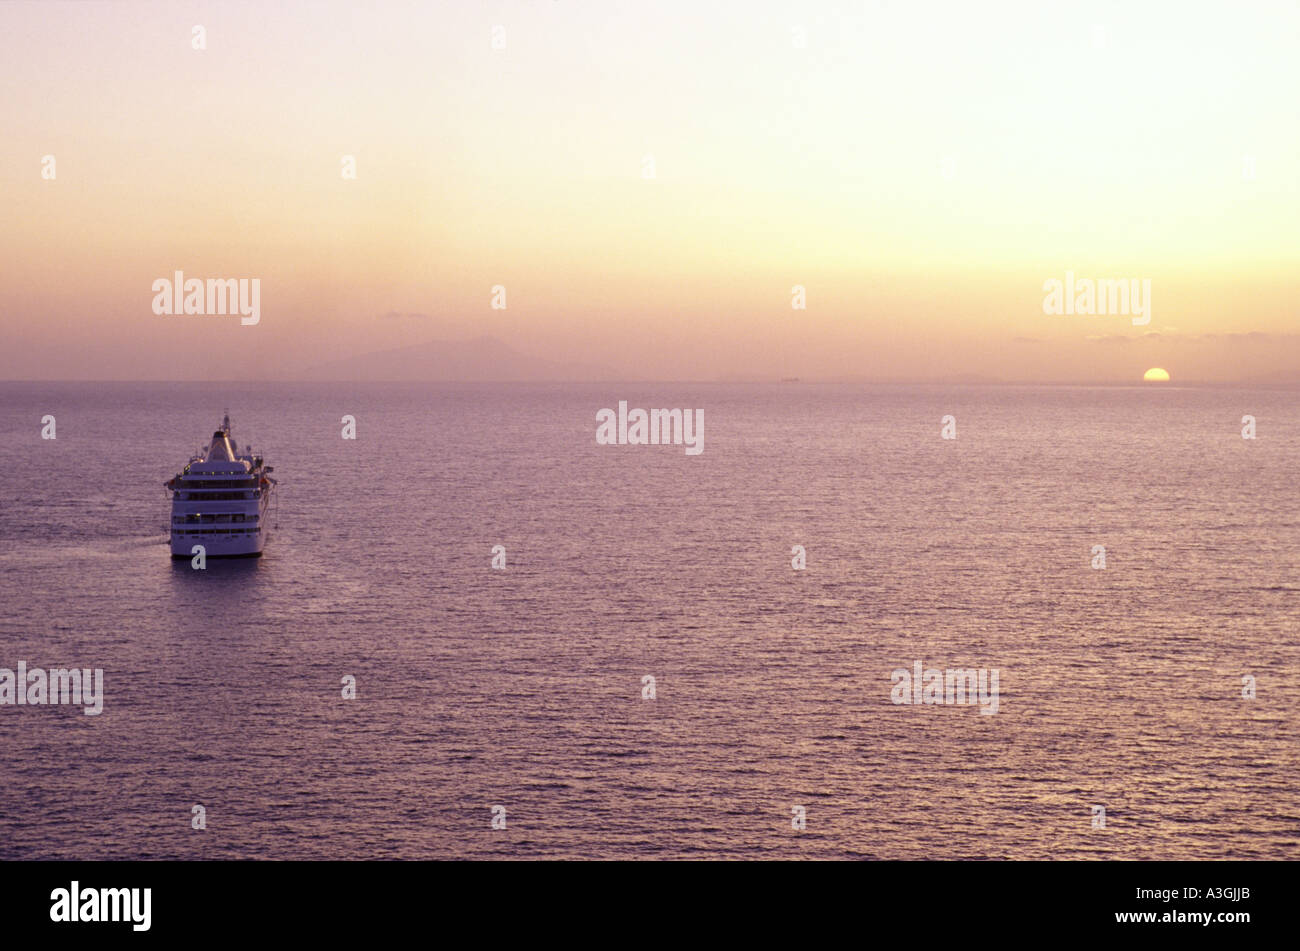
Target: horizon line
{"points": [[765, 381]]}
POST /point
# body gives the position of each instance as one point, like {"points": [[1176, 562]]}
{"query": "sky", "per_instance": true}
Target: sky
{"points": [[921, 170]]}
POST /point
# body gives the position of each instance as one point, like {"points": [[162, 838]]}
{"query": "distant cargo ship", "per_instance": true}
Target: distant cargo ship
{"points": [[220, 501]]}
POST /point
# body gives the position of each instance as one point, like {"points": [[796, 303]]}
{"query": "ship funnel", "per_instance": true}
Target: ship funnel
{"points": [[220, 450]]}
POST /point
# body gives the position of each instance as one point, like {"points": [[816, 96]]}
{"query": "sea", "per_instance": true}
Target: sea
{"points": [[562, 649]]}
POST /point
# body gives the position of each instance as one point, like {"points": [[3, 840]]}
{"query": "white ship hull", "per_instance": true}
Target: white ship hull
{"points": [[216, 548]]}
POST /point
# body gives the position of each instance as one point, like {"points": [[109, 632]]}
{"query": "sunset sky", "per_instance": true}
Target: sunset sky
{"points": [[922, 169]]}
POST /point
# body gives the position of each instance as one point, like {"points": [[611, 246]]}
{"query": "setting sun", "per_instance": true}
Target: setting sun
{"points": [[1156, 375]]}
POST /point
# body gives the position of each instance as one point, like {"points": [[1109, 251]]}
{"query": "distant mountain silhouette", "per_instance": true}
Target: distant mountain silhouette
{"points": [[483, 359], [1281, 376]]}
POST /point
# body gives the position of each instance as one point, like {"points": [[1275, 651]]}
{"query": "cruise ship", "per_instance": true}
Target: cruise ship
{"points": [[220, 501]]}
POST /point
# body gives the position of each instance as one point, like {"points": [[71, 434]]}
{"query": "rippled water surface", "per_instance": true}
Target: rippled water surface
{"points": [[523, 688]]}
